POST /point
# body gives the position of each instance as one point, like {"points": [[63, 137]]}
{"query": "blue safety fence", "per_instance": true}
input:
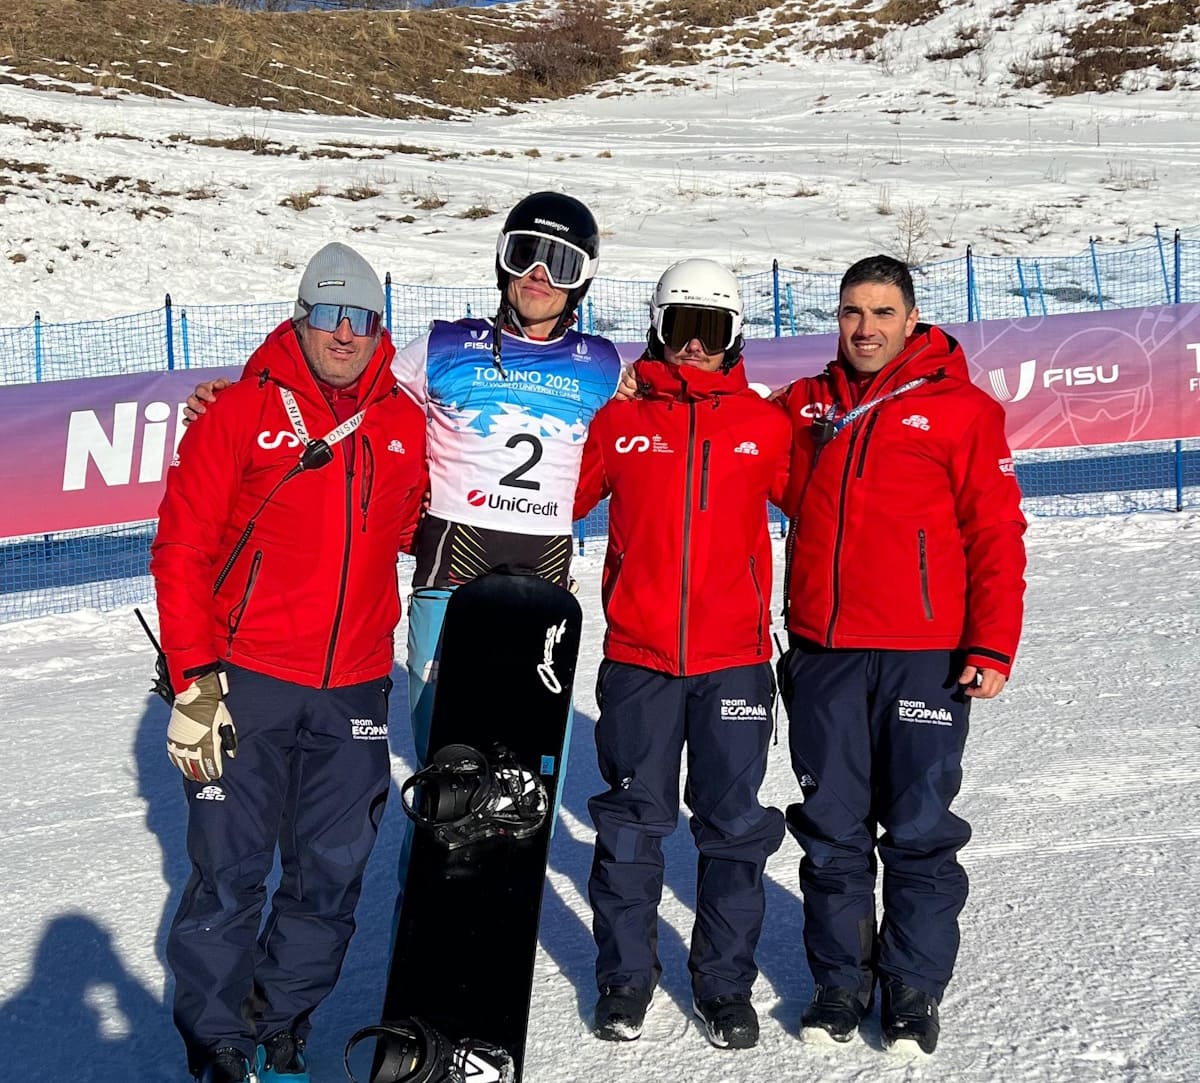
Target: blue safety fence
{"points": [[1163, 269], [106, 567]]}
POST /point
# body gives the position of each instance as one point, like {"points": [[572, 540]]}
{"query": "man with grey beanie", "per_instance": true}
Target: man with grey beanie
{"points": [[275, 566]]}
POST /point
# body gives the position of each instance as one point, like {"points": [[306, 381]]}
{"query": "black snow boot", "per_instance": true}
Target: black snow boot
{"points": [[834, 1013], [621, 1012], [730, 1021], [909, 1019], [227, 1066]]}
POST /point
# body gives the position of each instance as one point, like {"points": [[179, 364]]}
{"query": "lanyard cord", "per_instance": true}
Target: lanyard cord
{"points": [[301, 430], [826, 427], [316, 453]]}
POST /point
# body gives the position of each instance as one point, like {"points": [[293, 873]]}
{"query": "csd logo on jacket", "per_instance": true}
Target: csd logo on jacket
{"points": [[625, 444], [269, 441]]}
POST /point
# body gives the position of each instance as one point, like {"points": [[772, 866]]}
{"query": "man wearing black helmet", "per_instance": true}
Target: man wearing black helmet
{"points": [[509, 401]]}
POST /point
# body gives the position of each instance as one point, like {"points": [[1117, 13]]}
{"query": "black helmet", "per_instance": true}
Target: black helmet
{"points": [[558, 232]]}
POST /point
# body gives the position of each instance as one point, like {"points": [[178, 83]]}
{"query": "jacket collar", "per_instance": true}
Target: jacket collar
{"points": [[683, 383]]}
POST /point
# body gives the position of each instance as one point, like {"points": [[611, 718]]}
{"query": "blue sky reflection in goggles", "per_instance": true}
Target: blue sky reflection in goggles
{"points": [[322, 317]]}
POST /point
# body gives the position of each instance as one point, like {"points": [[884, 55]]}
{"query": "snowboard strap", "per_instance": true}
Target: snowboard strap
{"points": [[412, 1051], [465, 796]]}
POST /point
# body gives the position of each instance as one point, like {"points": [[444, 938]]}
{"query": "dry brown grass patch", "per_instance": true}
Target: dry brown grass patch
{"points": [[353, 62], [574, 46]]}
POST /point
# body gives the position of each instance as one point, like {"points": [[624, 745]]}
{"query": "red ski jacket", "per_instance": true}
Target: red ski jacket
{"points": [[311, 597], [690, 467], [907, 527]]}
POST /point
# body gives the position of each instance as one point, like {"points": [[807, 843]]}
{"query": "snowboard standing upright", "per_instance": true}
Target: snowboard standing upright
{"points": [[465, 942]]}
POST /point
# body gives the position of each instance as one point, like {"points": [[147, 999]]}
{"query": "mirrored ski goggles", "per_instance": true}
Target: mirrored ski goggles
{"points": [[322, 317], [677, 325], [566, 265]]}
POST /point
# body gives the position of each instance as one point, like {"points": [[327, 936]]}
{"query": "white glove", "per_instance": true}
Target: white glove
{"points": [[201, 729]]}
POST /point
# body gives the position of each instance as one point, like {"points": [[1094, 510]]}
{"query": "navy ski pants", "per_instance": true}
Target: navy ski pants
{"points": [[310, 778], [646, 720], [877, 739]]}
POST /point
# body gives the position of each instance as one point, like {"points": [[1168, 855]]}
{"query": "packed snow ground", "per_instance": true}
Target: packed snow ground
{"points": [[1080, 786]]}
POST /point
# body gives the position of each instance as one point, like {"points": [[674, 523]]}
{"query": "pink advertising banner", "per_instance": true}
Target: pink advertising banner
{"points": [[94, 452]]}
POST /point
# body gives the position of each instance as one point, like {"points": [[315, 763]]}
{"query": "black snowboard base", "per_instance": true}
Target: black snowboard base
{"points": [[463, 956]]}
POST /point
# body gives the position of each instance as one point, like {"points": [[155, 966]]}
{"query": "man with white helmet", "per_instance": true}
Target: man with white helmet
{"points": [[689, 465]]}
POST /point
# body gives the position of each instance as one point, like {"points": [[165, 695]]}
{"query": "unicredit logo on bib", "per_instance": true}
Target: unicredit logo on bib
{"points": [[477, 498]]}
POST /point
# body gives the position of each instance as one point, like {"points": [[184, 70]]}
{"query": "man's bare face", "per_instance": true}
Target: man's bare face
{"points": [[873, 325]]}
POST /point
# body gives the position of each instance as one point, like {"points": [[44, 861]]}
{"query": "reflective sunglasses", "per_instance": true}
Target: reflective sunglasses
{"points": [[677, 325], [567, 266], [322, 317]]}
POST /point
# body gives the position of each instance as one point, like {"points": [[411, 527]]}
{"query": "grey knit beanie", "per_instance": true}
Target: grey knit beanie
{"points": [[337, 275]]}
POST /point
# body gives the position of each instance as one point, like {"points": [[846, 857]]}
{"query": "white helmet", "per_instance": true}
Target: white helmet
{"points": [[697, 298]]}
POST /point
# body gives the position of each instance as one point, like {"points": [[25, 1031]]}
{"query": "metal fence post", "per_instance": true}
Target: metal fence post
{"points": [[1162, 260], [170, 335], [1037, 270], [1178, 265], [1179, 475], [387, 301], [1096, 273], [37, 347], [1024, 291], [970, 286], [775, 296], [183, 338]]}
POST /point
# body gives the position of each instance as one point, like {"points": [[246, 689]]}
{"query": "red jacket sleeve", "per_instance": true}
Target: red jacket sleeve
{"points": [[414, 506], [783, 463], [593, 484], [195, 510], [992, 527]]}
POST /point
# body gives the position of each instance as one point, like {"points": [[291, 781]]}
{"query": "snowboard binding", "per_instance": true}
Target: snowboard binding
{"points": [[465, 796], [412, 1051]]}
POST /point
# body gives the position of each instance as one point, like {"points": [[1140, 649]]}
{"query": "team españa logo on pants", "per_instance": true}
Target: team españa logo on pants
{"points": [[735, 710], [915, 710]]}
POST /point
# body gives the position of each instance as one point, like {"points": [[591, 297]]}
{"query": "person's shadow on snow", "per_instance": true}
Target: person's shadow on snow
{"points": [[358, 996], [81, 1016]]}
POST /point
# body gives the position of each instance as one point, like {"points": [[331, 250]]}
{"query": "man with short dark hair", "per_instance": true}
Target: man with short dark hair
{"points": [[275, 565], [903, 604]]}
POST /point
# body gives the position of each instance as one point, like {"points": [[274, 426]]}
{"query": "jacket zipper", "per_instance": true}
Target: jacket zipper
{"points": [[837, 542], [862, 455], [704, 475], [687, 530], [234, 620], [367, 481], [612, 583], [341, 601], [758, 593], [924, 575]]}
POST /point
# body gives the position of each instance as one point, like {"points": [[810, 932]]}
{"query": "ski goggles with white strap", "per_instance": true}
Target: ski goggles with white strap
{"points": [[323, 317], [567, 265], [677, 325]]}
